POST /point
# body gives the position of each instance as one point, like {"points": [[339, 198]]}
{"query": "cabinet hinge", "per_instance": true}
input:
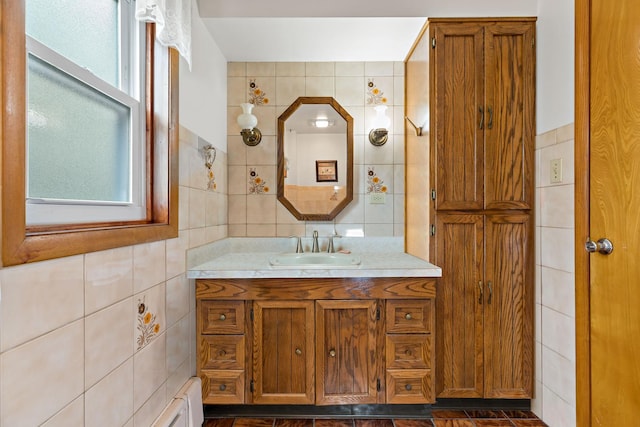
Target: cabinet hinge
{"points": [[433, 43], [378, 313], [378, 387], [251, 315], [433, 194], [433, 230], [252, 386]]}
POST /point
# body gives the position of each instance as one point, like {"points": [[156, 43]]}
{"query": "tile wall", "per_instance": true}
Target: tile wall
{"points": [[353, 84], [107, 338], [555, 400]]}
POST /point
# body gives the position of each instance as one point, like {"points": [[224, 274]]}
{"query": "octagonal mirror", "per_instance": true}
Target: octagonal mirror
{"points": [[315, 158]]}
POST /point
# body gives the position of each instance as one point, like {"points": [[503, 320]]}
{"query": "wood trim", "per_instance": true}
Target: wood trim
{"points": [[582, 210], [22, 245]]}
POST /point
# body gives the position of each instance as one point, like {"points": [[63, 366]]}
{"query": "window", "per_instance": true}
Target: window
{"points": [[85, 112], [107, 177]]}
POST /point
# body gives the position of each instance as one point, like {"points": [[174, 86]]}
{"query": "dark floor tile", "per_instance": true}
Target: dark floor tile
{"points": [[441, 413], [520, 414], [253, 422], [218, 422], [528, 423], [333, 423], [453, 423], [493, 422], [485, 414], [373, 423], [413, 423], [293, 423]]}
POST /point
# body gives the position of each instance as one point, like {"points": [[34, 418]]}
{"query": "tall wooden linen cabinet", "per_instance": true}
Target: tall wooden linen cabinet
{"points": [[481, 100]]}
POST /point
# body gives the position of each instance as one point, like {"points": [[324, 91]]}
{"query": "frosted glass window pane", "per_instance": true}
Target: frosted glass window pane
{"points": [[85, 31], [78, 139]]}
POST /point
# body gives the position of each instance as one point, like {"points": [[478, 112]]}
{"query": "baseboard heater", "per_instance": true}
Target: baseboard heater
{"points": [[185, 409]]}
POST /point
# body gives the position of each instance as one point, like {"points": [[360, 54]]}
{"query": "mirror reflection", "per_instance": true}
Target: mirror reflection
{"points": [[315, 158]]}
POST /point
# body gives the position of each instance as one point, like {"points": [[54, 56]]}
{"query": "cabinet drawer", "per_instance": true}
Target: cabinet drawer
{"points": [[222, 317], [222, 351], [409, 386], [408, 351], [222, 386], [409, 316]]}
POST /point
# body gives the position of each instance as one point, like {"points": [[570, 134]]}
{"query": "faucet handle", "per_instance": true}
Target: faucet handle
{"points": [[299, 249], [330, 248]]}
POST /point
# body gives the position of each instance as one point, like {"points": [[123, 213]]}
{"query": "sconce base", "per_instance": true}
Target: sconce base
{"points": [[251, 137], [378, 137]]}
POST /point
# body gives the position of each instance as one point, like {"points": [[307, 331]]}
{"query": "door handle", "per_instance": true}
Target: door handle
{"points": [[603, 246], [481, 111], [490, 124]]}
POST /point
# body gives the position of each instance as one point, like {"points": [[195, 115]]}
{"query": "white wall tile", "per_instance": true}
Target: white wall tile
{"points": [[557, 248], [355, 69], [177, 345], [558, 290], [177, 300], [149, 412], [557, 412], [70, 415], [320, 86], [288, 89], [148, 265], [557, 206], [38, 298], [378, 69], [108, 340], [350, 90], [290, 69], [59, 379], [556, 328], [559, 375], [261, 69], [110, 402], [263, 153], [320, 69], [149, 371], [108, 278]]}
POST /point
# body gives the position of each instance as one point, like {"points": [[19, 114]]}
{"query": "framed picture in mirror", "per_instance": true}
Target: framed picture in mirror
{"points": [[326, 170]]}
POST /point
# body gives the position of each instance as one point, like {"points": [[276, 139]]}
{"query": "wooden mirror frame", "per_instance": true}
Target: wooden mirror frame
{"points": [[310, 216]]}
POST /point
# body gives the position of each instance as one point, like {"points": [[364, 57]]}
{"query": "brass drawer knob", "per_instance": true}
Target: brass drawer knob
{"points": [[332, 353], [298, 351], [408, 316], [223, 387], [222, 353], [223, 317]]}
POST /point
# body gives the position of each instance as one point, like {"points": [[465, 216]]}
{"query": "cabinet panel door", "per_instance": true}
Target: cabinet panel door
{"points": [[283, 352], [346, 352], [458, 115], [508, 313], [510, 102], [459, 305]]}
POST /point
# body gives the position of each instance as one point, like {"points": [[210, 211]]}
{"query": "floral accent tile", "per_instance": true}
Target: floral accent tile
{"points": [[374, 95], [147, 326], [374, 183], [257, 185], [256, 95], [208, 153]]}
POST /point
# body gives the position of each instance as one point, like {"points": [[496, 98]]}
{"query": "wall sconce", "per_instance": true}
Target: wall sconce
{"points": [[251, 135], [380, 132]]}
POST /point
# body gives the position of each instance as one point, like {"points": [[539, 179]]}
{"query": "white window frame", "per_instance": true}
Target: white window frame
{"points": [[131, 94]]}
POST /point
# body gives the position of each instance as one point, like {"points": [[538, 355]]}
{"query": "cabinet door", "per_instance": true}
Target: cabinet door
{"points": [[508, 312], [347, 352], [510, 102], [459, 305], [283, 361], [459, 118]]}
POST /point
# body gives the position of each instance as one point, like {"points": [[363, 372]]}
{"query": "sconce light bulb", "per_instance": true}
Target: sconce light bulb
{"points": [[246, 120]]}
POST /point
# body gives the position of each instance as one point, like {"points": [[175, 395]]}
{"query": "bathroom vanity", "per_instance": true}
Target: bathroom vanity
{"points": [[312, 334]]}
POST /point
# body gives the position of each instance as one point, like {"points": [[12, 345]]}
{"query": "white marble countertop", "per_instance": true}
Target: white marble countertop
{"points": [[249, 258]]}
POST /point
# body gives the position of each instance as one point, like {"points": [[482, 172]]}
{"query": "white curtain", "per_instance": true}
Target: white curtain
{"points": [[173, 23]]}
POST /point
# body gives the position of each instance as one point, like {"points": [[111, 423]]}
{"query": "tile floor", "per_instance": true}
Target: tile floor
{"points": [[440, 418]]}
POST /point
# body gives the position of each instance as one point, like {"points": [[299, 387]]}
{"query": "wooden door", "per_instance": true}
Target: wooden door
{"points": [[457, 108], [347, 352], [283, 352], [607, 181], [509, 111], [459, 305], [508, 309]]}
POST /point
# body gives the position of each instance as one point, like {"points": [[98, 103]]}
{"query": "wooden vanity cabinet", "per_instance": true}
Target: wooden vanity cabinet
{"points": [[316, 341], [283, 352]]}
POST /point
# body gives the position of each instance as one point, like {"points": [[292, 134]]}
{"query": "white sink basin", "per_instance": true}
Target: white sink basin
{"points": [[315, 260]]}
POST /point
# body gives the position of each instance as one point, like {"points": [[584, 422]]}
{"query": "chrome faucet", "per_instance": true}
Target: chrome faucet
{"points": [[330, 248], [315, 247], [299, 249]]}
